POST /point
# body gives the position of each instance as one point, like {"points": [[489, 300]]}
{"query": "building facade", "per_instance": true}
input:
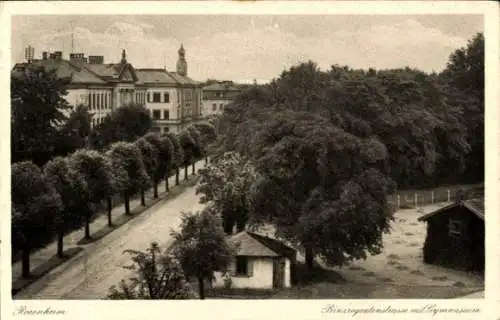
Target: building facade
{"points": [[172, 98], [217, 96]]}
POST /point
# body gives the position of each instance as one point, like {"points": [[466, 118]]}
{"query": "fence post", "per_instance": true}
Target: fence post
{"points": [[448, 195], [432, 196]]}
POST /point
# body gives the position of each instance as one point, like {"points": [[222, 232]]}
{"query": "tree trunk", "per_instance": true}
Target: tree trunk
{"points": [[110, 207], [206, 160], [166, 181], [155, 190], [194, 170], [26, 262], [186, 172], [177, 173], [127, 203], [60, 239], [143, 198], [201, 287], [309, 257], [87, 225]]}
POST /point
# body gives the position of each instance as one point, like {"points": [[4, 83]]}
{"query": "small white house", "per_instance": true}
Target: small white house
{"points": [[260, 263]]}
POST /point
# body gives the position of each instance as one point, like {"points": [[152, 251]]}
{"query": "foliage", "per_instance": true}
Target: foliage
{"points": [[126, 123], [75, 132], [137, 177], [157, 276], [149, 155], [189, 146], [35, 204], [37, 111], [207, 133], [201, 247], [178, 154], [225, 183], [70, 185]]}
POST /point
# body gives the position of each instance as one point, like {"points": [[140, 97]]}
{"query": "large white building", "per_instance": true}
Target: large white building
{"points": [[172, 98]]}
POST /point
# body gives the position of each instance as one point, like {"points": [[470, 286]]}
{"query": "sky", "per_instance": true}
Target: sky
{"points": [[246, 47]]}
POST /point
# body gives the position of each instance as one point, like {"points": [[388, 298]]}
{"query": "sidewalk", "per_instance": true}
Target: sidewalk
{"points": [[475, 295], [43, 255]]}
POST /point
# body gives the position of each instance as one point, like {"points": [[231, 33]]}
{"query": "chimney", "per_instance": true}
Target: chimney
{"points": [[77, 57], [44, 55], [29, 53], [96, 59], [52, 56], [58, 55]]}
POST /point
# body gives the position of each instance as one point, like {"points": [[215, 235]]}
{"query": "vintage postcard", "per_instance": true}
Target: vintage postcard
{"points": [[302, 160]]}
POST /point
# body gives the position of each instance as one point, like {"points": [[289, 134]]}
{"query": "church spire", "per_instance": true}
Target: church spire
{"points": [[124, 56], [181, 62]]}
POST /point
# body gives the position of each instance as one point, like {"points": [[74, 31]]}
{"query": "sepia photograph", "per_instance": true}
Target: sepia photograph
{"points": [[247, 156]]}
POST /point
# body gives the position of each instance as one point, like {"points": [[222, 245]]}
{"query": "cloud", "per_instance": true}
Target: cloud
{"points": [[262, 51]]}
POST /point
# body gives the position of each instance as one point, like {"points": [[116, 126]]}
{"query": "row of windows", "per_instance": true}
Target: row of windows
{"points": [[97, 121], [140, 97], [221, 106], [99, 101], [156, 97], [157, 114]]}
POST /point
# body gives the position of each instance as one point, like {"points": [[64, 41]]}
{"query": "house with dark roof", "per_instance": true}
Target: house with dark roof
{"points": [[172, 98], [259, 263], [455, 235], [216, 96]]}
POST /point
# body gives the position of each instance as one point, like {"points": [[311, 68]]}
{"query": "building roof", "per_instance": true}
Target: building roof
{"points": [[182, 79], [155, 76], [251, 244], [221, 86], [64, 69], [476, 206]]}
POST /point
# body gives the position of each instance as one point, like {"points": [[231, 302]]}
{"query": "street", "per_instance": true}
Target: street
{"points": [[90, 274]]}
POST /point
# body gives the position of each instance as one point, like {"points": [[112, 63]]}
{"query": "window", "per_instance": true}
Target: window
{"points": [[166, 114], [89, 101], [221, 106], [455, 228], [156, 97], [155, 129], [214, 107], [241, 266], [166, 97], [166, 129], [156, 114], [149, 97]]}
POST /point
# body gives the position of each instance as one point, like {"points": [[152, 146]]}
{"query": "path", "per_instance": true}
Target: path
{"points": [[90, 274]]}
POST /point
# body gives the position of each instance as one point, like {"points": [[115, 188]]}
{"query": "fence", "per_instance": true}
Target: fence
{"points": [[408, 199]]}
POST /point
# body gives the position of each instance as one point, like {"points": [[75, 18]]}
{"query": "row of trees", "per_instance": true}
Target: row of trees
{"points": [[316, 153], [66, 193]]}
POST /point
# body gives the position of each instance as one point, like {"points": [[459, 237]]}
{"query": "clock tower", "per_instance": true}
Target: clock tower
{"points": [[181, 62]]}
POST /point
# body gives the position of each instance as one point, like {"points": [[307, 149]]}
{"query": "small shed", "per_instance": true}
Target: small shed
{"points": [[259, 263], [455, 236]]}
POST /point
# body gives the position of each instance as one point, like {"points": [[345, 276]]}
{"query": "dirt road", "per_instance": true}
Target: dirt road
{"points": [[90, 274]]}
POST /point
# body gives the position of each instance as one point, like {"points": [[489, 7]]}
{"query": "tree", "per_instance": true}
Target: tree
{"points": [[208, 135], [75, 132], [69, 185], [178, 158], [37, 111], [35, 204], [127, 123], [201, 247], [149, 156], [97, 173], [329, 188], [157, 277], [165, 155], [191, 149], [138, 178], [199, 143], [118, 178], [464, 87], [225, 183]]}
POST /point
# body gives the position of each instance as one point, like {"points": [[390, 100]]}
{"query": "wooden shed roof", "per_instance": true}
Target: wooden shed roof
{"points": [[476, 206]]}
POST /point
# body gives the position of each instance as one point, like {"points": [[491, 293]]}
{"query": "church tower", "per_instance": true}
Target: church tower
{"points": [[181, 63]]}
